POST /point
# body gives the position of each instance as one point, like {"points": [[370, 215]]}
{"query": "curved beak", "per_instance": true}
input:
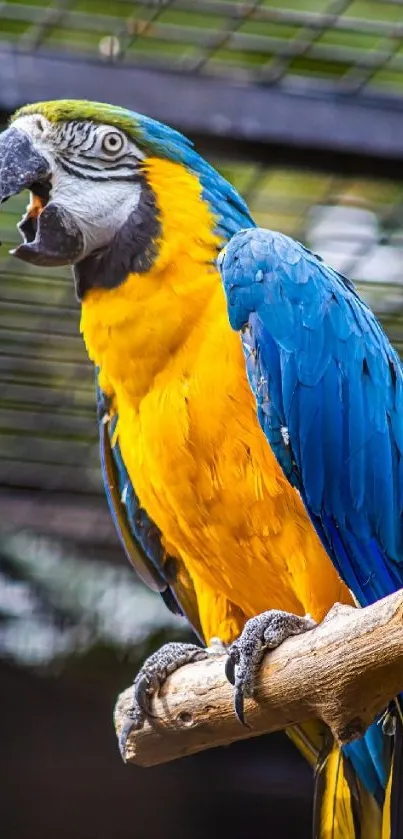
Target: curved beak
{"points": [[50, 234], [21, 166]]}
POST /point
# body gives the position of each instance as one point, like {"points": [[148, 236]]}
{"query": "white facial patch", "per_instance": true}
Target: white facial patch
{"points": [[36, 126], [98, 208]]}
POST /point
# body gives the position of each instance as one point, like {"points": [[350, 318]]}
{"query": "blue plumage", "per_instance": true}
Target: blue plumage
{"points": [[336, 384], [329, 394], [229, 207]]}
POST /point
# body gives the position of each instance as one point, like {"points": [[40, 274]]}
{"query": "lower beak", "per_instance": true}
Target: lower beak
{"points": [[50, 234]]}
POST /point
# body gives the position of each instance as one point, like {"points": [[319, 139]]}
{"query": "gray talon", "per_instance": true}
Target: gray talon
{"points": [[260, 634], [150, 679]]}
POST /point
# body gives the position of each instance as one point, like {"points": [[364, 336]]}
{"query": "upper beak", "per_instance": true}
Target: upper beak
{"points": [[21, 166], [50, 233]]}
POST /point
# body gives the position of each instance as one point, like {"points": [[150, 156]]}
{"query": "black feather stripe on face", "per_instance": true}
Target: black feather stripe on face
{"points": [[86, 171], [132, 250], [78, 150]]}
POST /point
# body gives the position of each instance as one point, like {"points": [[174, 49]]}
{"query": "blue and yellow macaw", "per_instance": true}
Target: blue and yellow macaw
{"points": [[200, 483]]}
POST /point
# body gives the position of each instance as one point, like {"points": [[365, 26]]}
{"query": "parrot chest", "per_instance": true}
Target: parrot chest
{"points": [[195, 453], [206, 475]]}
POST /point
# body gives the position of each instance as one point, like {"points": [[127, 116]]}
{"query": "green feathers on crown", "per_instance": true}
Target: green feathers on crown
{"points": [[64, 110]]}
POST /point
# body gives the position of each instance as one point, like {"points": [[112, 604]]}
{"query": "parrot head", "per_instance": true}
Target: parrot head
{"points": [[92, 206]]}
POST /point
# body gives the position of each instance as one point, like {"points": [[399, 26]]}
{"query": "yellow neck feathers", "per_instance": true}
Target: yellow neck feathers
{"points": [[150, 315]]}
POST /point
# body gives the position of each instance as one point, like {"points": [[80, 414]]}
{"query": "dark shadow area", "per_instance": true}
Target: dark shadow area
{"points": [[62, 774]]}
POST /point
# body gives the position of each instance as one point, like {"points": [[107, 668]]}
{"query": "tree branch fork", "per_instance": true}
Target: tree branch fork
{"points": [[344, 672]]}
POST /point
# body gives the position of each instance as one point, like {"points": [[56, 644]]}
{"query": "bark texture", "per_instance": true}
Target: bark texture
{"points": [[344, 672]]}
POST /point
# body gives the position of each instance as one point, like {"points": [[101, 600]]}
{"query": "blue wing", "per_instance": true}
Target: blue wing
{"points": [[329, 392], [329, 395], [139, 536]]}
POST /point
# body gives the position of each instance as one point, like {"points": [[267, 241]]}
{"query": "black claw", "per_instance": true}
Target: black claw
{"points": [[230, 670], [124, 734], [239, 706]]}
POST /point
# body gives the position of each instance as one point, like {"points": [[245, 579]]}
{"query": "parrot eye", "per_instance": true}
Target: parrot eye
{"points": [[112, 143]]}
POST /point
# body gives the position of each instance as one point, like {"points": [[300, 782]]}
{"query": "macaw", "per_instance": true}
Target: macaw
{"points": [[197, 482]]}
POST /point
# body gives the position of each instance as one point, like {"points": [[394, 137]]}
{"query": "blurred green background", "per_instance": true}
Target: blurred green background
{"points": [[74, 621]]}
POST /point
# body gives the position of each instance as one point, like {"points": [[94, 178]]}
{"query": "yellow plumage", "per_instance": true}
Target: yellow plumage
{"points": [[188, 430], [343, 796], [386, 824]]}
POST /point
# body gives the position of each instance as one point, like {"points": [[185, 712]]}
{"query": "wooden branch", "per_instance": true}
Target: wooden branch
{"points": [[344, 672]]}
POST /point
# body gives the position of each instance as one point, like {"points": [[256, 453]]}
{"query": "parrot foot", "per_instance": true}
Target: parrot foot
{"points": [[260, 634], [155, 670]]}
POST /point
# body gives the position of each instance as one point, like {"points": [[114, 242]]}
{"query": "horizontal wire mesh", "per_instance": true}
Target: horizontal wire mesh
{"points": [[349, 43]]}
